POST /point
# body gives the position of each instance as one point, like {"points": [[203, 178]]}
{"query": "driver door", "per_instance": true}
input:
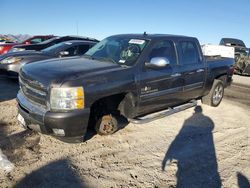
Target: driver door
{"points": [[160, 88]]}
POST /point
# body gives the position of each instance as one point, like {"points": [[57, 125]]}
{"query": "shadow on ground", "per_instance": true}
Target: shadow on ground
{"points": [[243, 182], [56, 174], [193, 152], [15, 145], [8, 89]]}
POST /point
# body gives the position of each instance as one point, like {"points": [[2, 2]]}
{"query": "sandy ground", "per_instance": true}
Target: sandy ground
{"points": [[241, 80], [198, 147]]}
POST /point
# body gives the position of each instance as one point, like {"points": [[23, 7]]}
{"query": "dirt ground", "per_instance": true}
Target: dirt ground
{"points": [[198, 147]]}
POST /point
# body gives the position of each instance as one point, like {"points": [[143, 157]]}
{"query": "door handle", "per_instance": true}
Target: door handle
{"points": [[200, 70], [176, 75]]}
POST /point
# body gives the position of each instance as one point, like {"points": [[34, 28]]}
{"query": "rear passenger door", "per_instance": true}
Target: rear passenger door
{"points": [[193, 69], [160, 88]]}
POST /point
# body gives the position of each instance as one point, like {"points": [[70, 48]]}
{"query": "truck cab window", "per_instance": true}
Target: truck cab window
{"points": [[164, 49], [188, 53]]}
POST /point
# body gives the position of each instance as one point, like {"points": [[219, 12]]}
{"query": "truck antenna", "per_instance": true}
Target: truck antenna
{"points": [[77, 27]]}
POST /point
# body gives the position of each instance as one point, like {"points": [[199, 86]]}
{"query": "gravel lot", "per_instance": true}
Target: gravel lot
{"points": [[199, 147]]}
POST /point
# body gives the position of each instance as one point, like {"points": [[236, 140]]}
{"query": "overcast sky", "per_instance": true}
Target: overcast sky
{"points": [[209, 21]]}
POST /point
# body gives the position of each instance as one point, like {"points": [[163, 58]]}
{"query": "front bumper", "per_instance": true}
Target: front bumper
{"points": [[10, 70], [73, 123]]}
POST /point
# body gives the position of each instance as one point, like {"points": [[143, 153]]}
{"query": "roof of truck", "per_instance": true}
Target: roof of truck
{"points": [[154, 36], [234, 42]]}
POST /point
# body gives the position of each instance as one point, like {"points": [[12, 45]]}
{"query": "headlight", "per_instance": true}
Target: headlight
{"points": [[1, 48], [16, 49], [10, 60], [67, 98]]}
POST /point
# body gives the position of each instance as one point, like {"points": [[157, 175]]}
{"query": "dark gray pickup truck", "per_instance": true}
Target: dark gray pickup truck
{"points": [[129, 75]]}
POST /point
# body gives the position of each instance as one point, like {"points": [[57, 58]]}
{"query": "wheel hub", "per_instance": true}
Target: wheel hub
{"points": [[106, 125], [218, 94]]}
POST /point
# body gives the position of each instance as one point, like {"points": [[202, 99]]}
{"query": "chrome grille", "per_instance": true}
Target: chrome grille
{"points": [[34, 91]]}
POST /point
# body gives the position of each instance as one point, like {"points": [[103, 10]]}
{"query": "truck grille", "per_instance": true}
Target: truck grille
{"points": [[33, 90]]}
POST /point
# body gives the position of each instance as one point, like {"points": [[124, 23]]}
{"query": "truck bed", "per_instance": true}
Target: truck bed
{"points": [[218, 59]]}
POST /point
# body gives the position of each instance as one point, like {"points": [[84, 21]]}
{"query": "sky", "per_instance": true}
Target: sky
{"points": [[208, 20]]}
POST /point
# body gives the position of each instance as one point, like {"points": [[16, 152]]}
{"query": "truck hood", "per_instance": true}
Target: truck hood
{"points": [[57, 70]]}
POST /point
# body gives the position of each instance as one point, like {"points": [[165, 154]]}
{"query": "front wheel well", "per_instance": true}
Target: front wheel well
{"points": [[106, 105]]}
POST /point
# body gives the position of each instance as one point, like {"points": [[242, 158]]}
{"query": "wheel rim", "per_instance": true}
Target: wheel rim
{"points": [[107, 125], [218, 94]]}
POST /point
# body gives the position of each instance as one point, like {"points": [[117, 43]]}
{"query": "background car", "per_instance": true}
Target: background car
{"points": [[11, 63], [4, 48], [4, 40], [48, 43]]}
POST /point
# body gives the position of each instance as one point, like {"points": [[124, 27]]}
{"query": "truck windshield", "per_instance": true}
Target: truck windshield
{"points": [[118, 49]]}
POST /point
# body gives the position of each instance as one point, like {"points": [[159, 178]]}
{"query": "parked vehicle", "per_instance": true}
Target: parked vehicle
{"points": [[48, 43], [11, 63], [5, 40], [242, 60], [123, 75], [4, 48]]}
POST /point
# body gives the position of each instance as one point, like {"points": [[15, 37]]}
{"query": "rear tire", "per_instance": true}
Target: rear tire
{"points": [[215, 95]]}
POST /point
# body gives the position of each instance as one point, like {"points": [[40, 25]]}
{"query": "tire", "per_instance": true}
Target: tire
{"points": [[106, 125], [215, 95]]}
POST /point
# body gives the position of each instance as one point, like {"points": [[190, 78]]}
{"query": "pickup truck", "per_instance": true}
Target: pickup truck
{"points": [[130, 75]]}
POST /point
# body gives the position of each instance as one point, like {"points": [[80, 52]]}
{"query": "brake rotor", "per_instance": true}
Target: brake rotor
{"points": [[106, 125]]}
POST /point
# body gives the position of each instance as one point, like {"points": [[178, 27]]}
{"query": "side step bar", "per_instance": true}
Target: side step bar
{"points": [[164, 113]]}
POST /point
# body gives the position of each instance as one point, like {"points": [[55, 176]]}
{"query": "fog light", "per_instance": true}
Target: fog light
{"points": [[59, 132]]}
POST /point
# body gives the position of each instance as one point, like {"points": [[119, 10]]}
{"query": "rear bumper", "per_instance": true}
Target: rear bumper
{"points": [[72, 125]]}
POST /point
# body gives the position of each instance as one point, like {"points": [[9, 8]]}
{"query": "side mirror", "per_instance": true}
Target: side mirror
{"points": [[158, 62], [64, 53]]}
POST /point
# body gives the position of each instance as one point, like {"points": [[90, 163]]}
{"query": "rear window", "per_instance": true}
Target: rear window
{"points": [[232, 42], [188, 53], [36, 40]]}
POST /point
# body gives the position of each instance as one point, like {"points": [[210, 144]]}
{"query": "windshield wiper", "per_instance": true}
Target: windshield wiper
{"points": [[100, 58]]}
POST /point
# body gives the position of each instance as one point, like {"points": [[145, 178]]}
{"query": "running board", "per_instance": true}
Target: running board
{"points": [[164, 113]]}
